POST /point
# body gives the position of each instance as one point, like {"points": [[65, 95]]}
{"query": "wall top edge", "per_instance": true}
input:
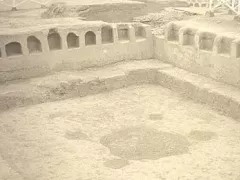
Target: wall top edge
{"points": [[96, 3], [184, 27], [84, 25]]}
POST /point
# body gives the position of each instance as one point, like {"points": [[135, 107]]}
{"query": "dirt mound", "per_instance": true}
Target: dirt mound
{"points": [[61, 9], [112, 12], [159, 20]]}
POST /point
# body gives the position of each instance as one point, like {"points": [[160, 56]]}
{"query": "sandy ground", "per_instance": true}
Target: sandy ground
{"points": [[65, 140], [29, 12], [29, 4], [222, 22]]}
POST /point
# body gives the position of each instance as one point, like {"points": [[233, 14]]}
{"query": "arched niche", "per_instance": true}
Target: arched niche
{"points": [[90, 38], [54, 41], [206, 41], [140, 32], [123, 34], [107, 34], [13, 49], [173, 33], [72, 40], [224, 46], [34, 44], [189, 37], [197, 5]]}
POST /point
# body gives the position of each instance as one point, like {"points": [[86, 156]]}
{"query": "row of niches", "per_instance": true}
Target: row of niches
{"points": [[203, 40], [54, 39], [198, 3]]}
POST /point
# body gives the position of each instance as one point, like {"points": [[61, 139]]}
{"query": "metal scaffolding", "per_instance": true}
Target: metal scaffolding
{"points": [[232, 5], [15, 4]]}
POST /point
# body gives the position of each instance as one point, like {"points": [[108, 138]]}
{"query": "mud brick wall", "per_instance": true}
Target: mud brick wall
{"points": [[35, 53], [209, 54]]}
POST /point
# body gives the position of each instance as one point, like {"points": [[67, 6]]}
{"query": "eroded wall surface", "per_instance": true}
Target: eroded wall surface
{"points": [[32, 53], [206, 53]]}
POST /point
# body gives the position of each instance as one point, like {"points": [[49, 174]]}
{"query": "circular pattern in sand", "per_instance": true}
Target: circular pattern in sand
{"points": [[138, 143]]}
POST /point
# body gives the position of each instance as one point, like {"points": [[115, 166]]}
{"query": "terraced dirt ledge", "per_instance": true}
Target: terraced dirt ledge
{"points": [[65, 84]]}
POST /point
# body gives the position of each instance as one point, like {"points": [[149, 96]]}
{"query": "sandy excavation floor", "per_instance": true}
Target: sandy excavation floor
{"points": [[137, 133]]}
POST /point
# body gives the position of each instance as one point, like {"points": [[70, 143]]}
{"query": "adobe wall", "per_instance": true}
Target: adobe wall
{"points": [[206, 53], [37, 52], [198, 3]]}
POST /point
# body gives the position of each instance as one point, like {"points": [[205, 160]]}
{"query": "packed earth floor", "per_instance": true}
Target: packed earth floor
{"points": [[140, 132]]}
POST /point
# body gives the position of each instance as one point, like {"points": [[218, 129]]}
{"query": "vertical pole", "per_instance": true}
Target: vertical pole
{"points": [[210, 5], [14, 8], [238, 7]]}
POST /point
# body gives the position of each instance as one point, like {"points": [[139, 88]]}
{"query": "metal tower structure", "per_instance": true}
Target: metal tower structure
{"points": [[232, 5], [14, 4]]}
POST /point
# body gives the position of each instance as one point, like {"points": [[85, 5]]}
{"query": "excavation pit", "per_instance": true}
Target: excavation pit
{"points": [[112, 135], [117, 120]]}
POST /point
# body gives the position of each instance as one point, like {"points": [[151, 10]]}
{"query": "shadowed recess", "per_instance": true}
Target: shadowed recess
{"points": [[139, 32], [34, 44], [54, 41], [107, 34], [197, 5], [173, 33], [13, 48], [206, 41], [189, 37], [138, 143], [72, 40], [238, 50], [90, 38], [224, 46], [123, 34]]}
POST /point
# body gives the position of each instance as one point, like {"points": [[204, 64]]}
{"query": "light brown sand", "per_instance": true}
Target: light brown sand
{"points": [[61, 140]]}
